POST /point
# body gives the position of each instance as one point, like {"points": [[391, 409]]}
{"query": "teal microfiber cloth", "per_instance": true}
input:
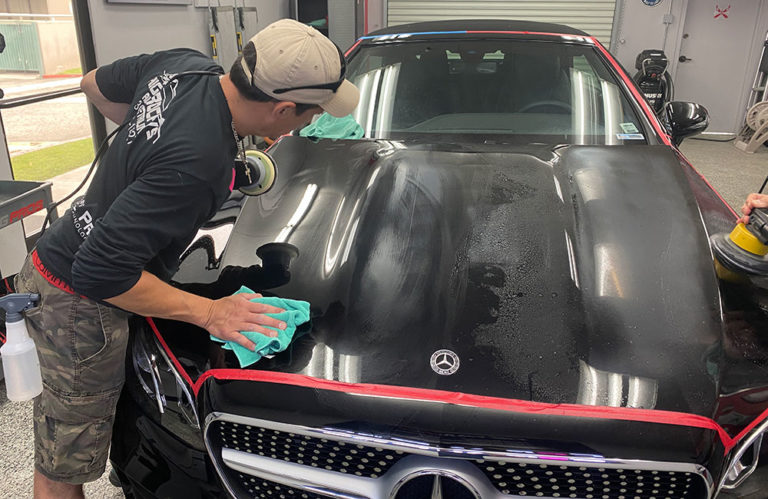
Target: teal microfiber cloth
{"points": [[330, 127], [296, 313]]}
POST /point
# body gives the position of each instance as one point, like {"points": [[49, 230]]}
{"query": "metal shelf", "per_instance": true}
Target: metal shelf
{"points": [[19, 199]]}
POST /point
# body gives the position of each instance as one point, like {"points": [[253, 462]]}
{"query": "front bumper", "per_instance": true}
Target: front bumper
{"points": [[152, 462], [269, 435]]}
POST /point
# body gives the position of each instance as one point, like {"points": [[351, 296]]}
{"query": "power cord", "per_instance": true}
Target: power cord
{"points": [[97, 157], [105, 143]]}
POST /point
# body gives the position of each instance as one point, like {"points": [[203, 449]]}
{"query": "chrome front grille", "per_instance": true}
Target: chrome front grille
{"points": [[532, 480], [264, 489], [343, 457], [259, 458]]}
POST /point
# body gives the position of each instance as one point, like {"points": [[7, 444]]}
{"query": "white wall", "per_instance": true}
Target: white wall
{"points": [[377, 14], [58, 46], [120, 30], [638, 27]]}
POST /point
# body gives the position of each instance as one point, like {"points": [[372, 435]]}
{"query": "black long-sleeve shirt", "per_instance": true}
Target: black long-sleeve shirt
{"points": [[165, 173]]}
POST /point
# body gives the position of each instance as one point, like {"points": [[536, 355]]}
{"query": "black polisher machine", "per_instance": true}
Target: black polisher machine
{"points": [[744, 250]]}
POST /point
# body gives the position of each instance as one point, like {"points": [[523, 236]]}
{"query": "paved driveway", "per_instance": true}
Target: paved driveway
{"points": [[46, 123]]}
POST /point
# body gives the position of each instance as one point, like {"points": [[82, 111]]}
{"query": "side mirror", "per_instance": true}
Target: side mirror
{"points": [[684, 119]]}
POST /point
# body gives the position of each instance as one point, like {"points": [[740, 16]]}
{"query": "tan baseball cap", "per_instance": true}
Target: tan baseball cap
{"points": [[295, 62]]}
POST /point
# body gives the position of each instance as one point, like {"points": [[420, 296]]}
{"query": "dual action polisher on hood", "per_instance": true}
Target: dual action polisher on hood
{"points": [[257, 176], [744, 250]]}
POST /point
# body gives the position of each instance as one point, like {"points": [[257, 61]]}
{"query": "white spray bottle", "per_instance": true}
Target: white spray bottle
{"points": [[21, 365]]}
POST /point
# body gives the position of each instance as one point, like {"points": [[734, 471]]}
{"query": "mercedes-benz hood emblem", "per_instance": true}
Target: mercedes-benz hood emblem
{"points": [[444, 362], [435, 485]]}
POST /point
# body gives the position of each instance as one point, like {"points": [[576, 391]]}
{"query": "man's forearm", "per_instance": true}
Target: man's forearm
{"points": [[114, 111], [152, 297]]}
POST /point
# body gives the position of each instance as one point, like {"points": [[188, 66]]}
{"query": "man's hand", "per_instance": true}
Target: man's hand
{"points": [[223, 318], [754, 200], [229, 315]]}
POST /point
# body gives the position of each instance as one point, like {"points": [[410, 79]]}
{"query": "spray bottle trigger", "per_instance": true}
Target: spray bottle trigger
{"points": [[15, 303]]}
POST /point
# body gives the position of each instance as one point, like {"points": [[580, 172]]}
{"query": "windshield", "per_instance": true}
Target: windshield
{"points": [[523, 91]]}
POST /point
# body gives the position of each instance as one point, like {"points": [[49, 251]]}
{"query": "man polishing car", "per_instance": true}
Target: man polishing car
{"points": [[168, 170]]}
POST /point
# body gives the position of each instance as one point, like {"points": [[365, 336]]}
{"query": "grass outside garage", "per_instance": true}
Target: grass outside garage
{"points": [[73, 71], [48, 162]]}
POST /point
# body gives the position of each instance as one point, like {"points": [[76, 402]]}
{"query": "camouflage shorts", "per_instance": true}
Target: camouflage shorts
{"points": [[81, 345]]}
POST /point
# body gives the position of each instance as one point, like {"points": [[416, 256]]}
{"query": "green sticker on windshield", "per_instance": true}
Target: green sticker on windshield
{"points": [[628, 127]]}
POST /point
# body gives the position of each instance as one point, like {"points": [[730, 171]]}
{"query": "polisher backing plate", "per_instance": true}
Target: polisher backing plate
{"points": [[736, 259], [262, 164]]}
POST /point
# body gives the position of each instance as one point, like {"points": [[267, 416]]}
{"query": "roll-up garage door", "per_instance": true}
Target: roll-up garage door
{"points": [[595, 16]]}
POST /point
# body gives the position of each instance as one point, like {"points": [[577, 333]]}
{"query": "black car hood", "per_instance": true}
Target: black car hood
{"points": [[577, 274]]}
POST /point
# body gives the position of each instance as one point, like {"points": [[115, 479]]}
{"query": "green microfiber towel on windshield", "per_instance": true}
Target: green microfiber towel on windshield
{"points": [[330, 127], [296, 313]]}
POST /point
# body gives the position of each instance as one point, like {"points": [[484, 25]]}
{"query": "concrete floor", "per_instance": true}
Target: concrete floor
{"points": [[17, 456], [732, 172]]}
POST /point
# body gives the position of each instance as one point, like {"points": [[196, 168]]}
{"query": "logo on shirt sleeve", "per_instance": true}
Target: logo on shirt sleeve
{"points": [[149, 119], [82, 218]]}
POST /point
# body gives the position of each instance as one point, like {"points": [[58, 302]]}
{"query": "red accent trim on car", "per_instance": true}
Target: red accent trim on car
{"points": [[751, 426], [173, 358], [458, 398], [353, 47], [502, 32], [633, 88]]}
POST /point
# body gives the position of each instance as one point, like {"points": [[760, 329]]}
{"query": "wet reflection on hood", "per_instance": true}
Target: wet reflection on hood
{"points": [[606, 388]]}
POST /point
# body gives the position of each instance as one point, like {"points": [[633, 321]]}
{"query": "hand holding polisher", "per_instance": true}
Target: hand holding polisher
{"points": [[744, 250]]}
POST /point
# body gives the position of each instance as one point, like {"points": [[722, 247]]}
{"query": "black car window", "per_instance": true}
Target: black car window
{"points": [[523, 91]]}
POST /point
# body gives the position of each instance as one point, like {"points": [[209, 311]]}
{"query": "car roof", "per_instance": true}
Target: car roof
{"points": [[478, 25]]}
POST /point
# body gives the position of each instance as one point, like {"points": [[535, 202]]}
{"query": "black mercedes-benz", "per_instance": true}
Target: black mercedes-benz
{"points": [[511, 288]]}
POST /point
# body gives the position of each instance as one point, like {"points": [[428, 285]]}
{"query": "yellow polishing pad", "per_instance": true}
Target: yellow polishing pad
{"points": [[744, 239]]}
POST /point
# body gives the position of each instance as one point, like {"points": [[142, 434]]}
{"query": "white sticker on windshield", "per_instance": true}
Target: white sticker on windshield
{"points": [[630, 136], [628, 127]]}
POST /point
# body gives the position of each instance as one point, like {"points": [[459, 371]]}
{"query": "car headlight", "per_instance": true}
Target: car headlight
{"points": [[743, 458], [169, 397]]}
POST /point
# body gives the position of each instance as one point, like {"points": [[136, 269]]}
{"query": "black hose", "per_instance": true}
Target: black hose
{"points": [[104, 143], [97, 157]]}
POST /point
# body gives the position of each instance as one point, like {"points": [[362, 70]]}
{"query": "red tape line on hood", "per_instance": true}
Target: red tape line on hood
{"points": [[171, 355], [479, 401], [458, 398]]}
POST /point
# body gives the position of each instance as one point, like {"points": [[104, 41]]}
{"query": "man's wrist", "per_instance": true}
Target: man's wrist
{"points": [[199, 310]]}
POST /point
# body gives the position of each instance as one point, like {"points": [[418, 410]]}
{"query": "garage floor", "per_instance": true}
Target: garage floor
{"points": [[733, 173]]}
